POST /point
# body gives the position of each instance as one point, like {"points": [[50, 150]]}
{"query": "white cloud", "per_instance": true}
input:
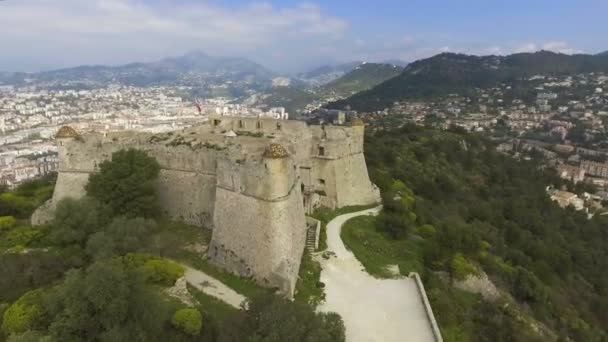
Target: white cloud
{"points": [[118, 31], [528, 47], [561, 47], [42, 34], [555, 46]]}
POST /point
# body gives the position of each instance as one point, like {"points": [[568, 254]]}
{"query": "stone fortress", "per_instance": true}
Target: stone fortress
{"points": [[250, 180]]}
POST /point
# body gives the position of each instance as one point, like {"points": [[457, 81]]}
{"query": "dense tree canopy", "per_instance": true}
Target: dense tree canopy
{"points": [[478, 209], [126, 184]]}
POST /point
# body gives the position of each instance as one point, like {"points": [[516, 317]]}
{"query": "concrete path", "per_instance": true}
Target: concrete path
{"points": [[213, 287], [382, 310]]}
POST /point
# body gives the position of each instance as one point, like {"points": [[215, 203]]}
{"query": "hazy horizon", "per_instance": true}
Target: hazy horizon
{"points": [[288, 36]]}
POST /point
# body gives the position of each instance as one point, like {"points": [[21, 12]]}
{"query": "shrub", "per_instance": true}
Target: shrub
{"points": [[188, 320], [461, 267], [427, 231], [23, 236], [24, 314], [137, 259], [7, 222], [3, 307], [163, 272], [30, 336]]}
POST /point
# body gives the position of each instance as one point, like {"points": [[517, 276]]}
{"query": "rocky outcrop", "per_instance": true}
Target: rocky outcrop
{"points": [[479, 284]]}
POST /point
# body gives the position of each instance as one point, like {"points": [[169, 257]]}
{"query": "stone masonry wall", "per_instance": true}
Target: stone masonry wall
{"points": [[255, 205]]}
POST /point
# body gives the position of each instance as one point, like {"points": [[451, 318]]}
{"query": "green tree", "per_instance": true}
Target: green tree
{"points": [[188, 320], [75, 220], [105, 302], [24, 314], [7, 222], [274, 319], [100, 246], [126, 184]]}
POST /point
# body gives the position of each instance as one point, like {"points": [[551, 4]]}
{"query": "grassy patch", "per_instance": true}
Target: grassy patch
{"points": [[211, 305], [376, 250], [325, 215], [309, 288], [244, 286]]}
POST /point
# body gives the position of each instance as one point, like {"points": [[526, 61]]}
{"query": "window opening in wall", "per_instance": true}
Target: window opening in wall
{"points": [[259, 125], [240, 123], [216, 122], [322, 181], [321, 150]]}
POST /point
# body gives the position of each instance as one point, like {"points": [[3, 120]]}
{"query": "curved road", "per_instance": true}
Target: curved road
{"points": [[373, 309]]}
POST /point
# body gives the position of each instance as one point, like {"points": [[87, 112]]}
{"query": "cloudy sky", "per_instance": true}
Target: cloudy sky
{"points": [[290, 35]]}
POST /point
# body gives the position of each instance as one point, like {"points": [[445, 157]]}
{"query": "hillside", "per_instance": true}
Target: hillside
{"points": [[365, 76], [293, 98], [326, 73], [296, 96], [456, 209], [456, 73]]}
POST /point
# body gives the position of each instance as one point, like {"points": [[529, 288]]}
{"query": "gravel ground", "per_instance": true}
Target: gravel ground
{"points": [[373, 309], [213, 287]]}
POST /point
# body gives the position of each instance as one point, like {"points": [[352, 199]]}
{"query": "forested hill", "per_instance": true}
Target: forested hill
{"points": [[455, 207], [449, 73], [365, 76]]}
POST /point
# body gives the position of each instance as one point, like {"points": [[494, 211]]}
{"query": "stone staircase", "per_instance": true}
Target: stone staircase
{"points": [[311, 238]]}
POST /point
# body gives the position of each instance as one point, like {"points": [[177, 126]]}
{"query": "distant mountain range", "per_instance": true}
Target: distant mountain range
{"points": [[457, 73], [295, 97], [191, 68]]}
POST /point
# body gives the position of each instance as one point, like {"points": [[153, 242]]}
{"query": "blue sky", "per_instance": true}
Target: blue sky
{"points": [[290, 35]]}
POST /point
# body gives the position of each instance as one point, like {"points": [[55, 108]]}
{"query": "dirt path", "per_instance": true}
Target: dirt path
{"points": [[213, 287], [373, 309]]}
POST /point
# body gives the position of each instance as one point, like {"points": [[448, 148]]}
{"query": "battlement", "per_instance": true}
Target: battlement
{"points": [[250, 180]]}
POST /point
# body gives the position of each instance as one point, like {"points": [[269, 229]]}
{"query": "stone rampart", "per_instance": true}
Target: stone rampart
{"points": [[250, 180]]}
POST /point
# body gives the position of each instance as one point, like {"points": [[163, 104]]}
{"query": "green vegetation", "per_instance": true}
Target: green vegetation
{"points": [[126, 184], [188, 320], [24, 314], [99, 271], [271, 318], [212, 306], [309, 289], [377, 250], [451, 211], [294, 99], [363, 77], [325, 215], [22, 202], [7, 222], [450, 73]]}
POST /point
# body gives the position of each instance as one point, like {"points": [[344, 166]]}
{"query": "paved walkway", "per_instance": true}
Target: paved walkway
{"points": [[382, 310], [213, 287]]}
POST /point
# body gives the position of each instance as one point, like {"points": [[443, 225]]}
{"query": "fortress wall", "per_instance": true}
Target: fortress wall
{"points": [[263, 238], [187, 196], [255, 125], [70, 184], [186, 182], [353, 186], [324, 181], [264, 178]]}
